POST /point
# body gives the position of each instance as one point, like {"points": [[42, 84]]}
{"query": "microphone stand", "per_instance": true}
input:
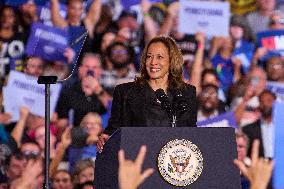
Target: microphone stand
{"points": [[47, 81]]}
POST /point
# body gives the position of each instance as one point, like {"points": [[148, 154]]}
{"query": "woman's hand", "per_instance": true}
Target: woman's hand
{"points": [[24, 112], [66, 139], [200, 38], [69, 54], [103, 138]]}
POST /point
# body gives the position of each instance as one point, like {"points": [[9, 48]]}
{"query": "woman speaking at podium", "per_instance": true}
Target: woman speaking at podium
{"points": [[158, 97]]}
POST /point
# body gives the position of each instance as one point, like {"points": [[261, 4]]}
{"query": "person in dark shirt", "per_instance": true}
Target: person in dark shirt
{"points": [[85, 95], [12, 42]]}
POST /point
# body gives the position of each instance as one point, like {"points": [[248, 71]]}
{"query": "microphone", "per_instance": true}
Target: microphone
{"points": [[166, 105], [179, 104]]}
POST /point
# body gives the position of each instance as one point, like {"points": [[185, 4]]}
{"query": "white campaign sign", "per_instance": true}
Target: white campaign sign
{"points": [[211, 18], [23, 90]]}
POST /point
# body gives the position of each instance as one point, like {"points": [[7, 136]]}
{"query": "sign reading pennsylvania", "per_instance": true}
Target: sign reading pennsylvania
{"points": [[47, 42], [211, 18], [273, 40], [23, 90], [223, 120]]}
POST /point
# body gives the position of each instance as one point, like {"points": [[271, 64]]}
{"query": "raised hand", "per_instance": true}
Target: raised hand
{"points": [[259, 172], [130, 174]]}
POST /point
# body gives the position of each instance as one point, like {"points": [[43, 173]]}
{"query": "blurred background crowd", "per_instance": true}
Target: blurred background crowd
{"points": [[231, 74]]}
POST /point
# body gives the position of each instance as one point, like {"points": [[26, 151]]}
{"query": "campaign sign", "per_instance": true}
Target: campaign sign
{"points": [[211, 18], [273, 40], [223, 120], [278, 120], [77, 36], [128, 3], [23, 90], [20, 2], [44, 13], [277, 88], [47, 42]]}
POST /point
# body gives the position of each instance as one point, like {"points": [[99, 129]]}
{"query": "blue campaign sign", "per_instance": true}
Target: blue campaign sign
{"points": [[223, 120], [20, 2], [244, 51], [128, 3], [77, 37], [278, 119], [47, 42]]}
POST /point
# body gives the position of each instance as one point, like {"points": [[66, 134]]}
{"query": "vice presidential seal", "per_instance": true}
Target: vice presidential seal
{"points": [[180, 162]]}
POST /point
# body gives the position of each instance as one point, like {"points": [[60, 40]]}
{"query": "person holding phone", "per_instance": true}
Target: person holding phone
{"points": [[84, 95], [246, 107]]}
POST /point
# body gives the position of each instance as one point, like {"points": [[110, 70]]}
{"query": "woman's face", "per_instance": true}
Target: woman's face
{"points": [[236, 32], [158, 61], [62, 180], [227, 43], [86, 175], [8, 18], [75, 10], [92, 124], [40, 137]]}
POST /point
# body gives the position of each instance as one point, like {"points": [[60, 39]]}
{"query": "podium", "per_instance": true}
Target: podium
{"points": [[217, 146]]}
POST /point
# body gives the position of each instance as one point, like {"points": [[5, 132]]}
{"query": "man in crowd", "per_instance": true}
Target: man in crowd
{"points": [[209, 104], [242, 149], [34, 66], [85, 95], [259, 19], [263, 128], [275, 69], [120, 56]]}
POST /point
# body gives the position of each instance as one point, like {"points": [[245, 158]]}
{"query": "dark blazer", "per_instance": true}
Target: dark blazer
{"points": [[253, 131], [136, 105]]}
